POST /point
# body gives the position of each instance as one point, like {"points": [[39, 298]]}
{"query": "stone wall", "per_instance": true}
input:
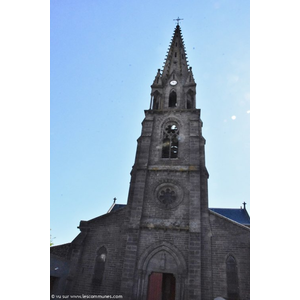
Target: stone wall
{"points": [[107, 231], [230, 238]]}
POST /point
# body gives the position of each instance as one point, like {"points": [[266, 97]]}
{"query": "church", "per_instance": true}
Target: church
{"points": [[165, 243]]}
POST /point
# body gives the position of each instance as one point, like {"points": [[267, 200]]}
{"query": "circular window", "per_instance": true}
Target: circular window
{"points": [[168, 195]]}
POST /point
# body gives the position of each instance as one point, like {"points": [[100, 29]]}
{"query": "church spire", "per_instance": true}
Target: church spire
{"points": [[176, 63], [174, 87]]}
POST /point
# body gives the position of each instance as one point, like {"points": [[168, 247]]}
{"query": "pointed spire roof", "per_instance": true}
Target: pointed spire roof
{"points": [[176, 60]]}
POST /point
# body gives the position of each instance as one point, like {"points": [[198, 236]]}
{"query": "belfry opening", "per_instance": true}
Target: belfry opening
{"points": [[173, 99]]}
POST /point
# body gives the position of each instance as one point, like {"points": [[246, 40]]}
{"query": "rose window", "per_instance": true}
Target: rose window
{"points": [[167, 196]]}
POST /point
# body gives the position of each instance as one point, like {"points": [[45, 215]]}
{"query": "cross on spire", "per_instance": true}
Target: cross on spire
{"points": [[178, 19]]}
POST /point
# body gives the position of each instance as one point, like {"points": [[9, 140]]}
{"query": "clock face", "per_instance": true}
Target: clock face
{"points": [[173, 82]]}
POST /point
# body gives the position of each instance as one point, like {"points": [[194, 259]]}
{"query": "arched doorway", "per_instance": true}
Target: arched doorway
{"points": [[161, 273]]}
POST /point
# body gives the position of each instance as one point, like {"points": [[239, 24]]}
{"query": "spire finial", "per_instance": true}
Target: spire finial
{"points": [[178, 19], [244, 203]]}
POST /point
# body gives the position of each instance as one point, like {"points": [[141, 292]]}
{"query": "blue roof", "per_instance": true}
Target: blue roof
{"points": [[117, 206], [239, 215]]}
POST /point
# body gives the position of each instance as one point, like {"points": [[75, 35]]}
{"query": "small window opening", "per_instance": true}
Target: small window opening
{"points": [[232, 279], [155, 102], [175, 54], [189, 100], [173, 99]]}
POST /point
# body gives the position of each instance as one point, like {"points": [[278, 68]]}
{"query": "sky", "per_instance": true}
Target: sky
{"points": [[104, 56], [99, 65]]}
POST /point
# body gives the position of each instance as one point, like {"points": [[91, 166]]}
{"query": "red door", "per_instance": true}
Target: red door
{"points": [[155, 286], [161, 286]]}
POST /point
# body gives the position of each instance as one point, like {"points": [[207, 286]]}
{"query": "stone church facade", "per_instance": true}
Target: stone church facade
{"points": [[165, 244]]}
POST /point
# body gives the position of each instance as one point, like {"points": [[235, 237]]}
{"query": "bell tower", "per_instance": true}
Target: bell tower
{"points": [[169, 177], [167, 201]]}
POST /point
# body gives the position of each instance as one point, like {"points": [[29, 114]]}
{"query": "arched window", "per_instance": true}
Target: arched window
{"points": [[190, 100], [100, 265], [170, 141], [173, 99], [156, 100], [232, 279], [155, 103]]}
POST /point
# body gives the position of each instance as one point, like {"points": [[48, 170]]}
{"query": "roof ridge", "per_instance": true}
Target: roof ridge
{"points": [[232, 221], [226, 208]]}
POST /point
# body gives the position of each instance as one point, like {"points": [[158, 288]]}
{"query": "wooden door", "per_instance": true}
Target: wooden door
{"points": [[155, 286], [161, 286], [168, 287]]}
